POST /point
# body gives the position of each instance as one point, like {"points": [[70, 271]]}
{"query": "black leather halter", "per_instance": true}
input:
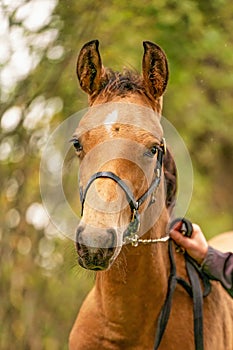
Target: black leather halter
{"points": [[133, 203]]}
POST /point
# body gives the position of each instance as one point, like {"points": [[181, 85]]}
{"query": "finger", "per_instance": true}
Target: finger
{"points": [[179, 238], [196, 229], [177, 226]]}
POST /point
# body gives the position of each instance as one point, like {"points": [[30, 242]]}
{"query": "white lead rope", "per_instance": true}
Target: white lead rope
{"points": [[135, 240]]}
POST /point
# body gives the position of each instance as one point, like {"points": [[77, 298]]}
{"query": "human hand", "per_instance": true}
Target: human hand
{"points": [[196, 246]]}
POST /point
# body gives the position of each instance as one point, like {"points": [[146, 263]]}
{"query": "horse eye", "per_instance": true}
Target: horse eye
{"points": [[77, 145], [153, 150]]}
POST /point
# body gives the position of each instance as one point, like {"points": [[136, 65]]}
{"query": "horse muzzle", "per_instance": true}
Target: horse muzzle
{"points": [[95, 250]]}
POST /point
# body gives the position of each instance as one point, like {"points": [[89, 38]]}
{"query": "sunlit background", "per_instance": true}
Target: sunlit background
{"points": [[41, 287]]}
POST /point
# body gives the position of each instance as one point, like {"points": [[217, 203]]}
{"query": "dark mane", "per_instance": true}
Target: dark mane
{"points": [[122, 84], [170, 173]]}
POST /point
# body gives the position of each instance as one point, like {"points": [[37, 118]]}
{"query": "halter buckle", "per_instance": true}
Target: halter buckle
{"points": [[135, 222], [163, 145], [130, 235]]}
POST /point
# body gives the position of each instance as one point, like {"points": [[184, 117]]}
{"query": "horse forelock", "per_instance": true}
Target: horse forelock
{"points": [[123, 84]]}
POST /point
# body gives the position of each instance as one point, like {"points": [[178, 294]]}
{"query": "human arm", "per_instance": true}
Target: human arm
{"points": [[219, 266]]}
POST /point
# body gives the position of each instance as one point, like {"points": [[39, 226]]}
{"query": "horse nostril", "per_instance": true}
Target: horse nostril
{"points": [[112, 238], [78, 241], [78, 233]]}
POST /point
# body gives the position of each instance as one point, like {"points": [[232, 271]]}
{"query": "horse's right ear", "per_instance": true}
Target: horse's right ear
{"points": [[89, 68]]}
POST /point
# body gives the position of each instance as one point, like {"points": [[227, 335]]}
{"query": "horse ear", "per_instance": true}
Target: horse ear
{"points": [[170, 173], [155, 69], [89, 67]]}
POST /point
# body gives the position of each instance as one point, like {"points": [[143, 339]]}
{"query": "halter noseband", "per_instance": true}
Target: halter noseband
{"points": [[133, 227]]}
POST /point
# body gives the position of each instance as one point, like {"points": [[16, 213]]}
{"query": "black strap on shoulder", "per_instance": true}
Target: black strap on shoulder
{"points": [[197, 306], [193, 289], [166, 309]]}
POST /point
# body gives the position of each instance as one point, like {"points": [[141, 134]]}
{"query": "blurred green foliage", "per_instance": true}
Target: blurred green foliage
{"points": [[41, 286]]}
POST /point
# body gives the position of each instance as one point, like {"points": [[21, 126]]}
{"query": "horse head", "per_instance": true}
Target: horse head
{"points": [[120, 145]]}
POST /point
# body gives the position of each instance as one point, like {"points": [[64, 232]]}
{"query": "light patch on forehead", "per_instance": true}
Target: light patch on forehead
{"points": [[110, 119], [110, 113]]}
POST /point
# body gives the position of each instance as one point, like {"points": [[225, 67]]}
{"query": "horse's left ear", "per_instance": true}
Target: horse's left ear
{"points": [[90, 71], [155, 69]]}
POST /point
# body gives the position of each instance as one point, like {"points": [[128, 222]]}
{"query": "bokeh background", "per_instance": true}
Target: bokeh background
{"points": [[41, 287]]}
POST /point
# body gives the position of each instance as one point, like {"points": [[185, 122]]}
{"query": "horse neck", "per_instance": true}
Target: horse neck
{"points": [[137, 279]]}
